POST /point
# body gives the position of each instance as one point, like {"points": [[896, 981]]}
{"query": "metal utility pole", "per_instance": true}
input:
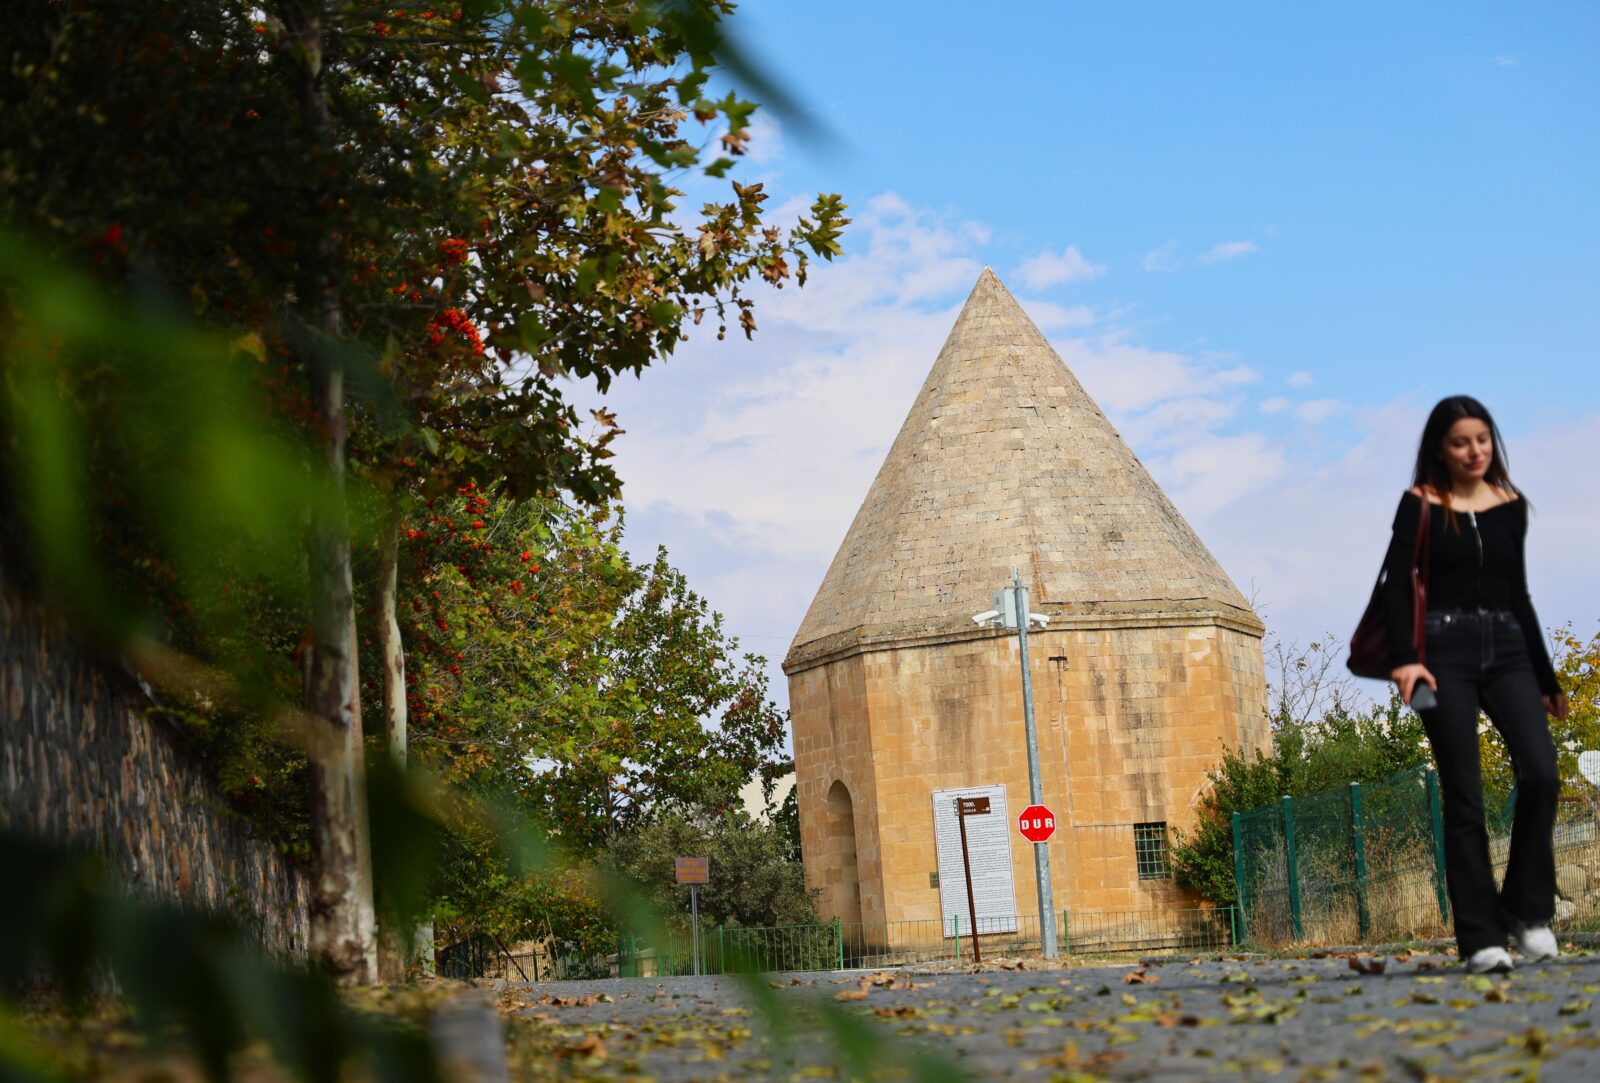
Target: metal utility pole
{"points": [[1041, 851], [1011, 611]]}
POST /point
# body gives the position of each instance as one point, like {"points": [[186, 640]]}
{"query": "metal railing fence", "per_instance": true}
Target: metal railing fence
{"points": [[1365, 863], [840, 945]]}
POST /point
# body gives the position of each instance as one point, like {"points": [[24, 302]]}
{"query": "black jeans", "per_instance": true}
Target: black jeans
{"points": [[1481, 660]]}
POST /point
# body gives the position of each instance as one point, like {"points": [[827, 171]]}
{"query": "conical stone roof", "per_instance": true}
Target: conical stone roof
{"points": [[1005, 460]]}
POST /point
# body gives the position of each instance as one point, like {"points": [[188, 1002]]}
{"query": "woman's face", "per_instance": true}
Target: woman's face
{"points": [[1468, 449]]}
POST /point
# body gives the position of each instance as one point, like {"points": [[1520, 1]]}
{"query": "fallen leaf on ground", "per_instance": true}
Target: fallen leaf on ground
{"points": [[1140, 977], [899, 1011], [591, 1046], [1363, 965]]}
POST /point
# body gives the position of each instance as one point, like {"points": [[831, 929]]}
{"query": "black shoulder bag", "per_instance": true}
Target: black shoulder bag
{"points": [[1370, 649]]}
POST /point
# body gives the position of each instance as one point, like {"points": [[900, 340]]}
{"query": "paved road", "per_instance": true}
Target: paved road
{"points": [[1422, 1017]]}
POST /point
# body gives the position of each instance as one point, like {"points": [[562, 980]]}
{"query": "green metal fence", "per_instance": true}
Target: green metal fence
{"points": [[847, 945], [1365, 863]]}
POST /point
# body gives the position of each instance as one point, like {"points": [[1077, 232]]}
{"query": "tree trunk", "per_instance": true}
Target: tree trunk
{"points": [[399, 949], [389, 645], [341, 919]]}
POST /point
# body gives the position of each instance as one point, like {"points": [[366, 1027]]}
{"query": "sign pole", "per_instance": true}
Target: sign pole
{"points": [[965, 806], [693, 871], [1041, 851], [694, 924]]}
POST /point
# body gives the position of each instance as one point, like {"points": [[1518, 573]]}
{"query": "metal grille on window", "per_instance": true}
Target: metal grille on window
{"points": [[1150, 850]]}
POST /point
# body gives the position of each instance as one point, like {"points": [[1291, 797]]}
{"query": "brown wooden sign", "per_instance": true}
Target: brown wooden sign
{"points": [[692, 870], [970, 806]]}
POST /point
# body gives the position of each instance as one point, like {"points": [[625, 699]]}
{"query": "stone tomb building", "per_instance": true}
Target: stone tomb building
{"points": [[1151, 662]]}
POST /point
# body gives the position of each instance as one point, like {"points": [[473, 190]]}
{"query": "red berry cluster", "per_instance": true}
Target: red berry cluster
{"points": [[453, 319], [452, 535]]}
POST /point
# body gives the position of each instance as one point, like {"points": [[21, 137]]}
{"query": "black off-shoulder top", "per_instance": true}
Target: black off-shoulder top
{"points": [[1477, 562]]}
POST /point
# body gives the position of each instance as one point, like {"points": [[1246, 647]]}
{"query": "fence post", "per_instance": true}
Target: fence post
{"points": [[1238, 869], [722, 952], [1293, 867], [1358, 849], [838, 935], [627, 958], [1066, 931], [1436, 815]]}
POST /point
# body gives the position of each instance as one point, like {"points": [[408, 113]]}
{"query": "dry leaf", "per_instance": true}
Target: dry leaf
{"points": [[850, 994], [573, 1002], [1363, 965], [1140, 977], [591, 1046]]}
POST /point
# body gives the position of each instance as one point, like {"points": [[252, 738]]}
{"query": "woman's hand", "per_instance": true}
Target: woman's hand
{"points": [[1406, 677], [1556, 705]]}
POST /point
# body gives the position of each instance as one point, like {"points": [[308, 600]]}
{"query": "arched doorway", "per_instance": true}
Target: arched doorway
{"points": [[842, 880]]}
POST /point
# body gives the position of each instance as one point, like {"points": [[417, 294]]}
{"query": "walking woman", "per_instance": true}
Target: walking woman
{"points": [[1484, 649]]}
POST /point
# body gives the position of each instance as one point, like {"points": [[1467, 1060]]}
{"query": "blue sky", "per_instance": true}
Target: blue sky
{"points": [[1266, 237]]}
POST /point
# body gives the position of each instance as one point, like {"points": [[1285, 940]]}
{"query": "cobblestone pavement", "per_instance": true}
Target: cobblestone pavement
{"points": [[1333, 1017]]}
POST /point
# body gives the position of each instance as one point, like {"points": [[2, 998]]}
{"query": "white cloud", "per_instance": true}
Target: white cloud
{"points": [[1162, 258], [1505, 61], [1317, 411], [1052, 269], [1177, 423], [1229, 250], [1215, 471], [749, 459], [1053, 317], [1125, 377], [766, 138], [1300, 379], [1307, 540]]}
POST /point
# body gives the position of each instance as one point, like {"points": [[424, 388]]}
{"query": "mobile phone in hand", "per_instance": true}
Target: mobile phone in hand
{"points": [[1423, 698]]}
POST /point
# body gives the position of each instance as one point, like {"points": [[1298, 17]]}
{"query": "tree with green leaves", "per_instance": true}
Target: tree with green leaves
{"points": [[479, 204], [596, 694], [1344, 745], [1577, 665], [754, 881]]}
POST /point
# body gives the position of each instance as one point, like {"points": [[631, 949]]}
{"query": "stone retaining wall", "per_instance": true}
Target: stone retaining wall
{"points": [[84, 757]]}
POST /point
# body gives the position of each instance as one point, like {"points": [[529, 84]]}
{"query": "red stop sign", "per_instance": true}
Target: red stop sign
{"points": [[1036, 823]]}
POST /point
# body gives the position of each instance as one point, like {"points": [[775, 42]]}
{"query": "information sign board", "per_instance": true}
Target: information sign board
{"points": [[994, 893], [692, 870]]}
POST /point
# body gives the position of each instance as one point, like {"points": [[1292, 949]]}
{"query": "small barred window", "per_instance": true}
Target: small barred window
{"points": [[1150, 850]]}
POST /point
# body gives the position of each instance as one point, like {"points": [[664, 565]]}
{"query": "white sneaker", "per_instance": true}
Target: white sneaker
{"points": [[1535, 942], [1490, 961]]}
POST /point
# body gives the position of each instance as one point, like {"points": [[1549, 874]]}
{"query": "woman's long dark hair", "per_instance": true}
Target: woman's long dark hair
{"points": [[1431, 471]]}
